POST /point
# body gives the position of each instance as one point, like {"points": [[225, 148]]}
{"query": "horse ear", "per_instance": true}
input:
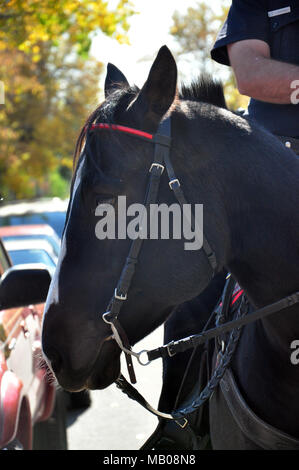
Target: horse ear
{"points": [[158, 92], [114, 79]]}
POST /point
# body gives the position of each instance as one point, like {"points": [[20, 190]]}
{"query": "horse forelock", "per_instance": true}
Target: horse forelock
{"points": [[106, 112]]}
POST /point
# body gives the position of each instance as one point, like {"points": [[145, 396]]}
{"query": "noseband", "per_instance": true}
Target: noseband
{"points": [[162, 145]]}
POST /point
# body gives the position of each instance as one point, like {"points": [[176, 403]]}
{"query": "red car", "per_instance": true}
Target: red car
{"points": [[41, 232], [32, 412]]}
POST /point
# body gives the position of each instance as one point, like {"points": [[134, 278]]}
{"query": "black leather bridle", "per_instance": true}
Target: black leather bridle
{"points": [[162, 145]]}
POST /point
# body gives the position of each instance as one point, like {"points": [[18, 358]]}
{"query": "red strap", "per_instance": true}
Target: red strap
{"points": [[128, 130], [237, 295]]}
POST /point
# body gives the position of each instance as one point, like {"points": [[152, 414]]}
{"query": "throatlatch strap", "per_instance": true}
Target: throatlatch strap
{"points": [[178, 192]]}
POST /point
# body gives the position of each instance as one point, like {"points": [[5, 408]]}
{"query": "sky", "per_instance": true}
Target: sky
{"points": [[148, 32]]}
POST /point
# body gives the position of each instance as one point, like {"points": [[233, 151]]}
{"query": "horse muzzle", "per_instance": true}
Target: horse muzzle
{"points": [[97, 373]]}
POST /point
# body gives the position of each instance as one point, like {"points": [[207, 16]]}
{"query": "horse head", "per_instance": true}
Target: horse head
{"points": [[77, 343]]}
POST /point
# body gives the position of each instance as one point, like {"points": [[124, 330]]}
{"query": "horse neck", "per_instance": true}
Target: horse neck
{"points": [[264, 259], [265, 244], [248, 184]]}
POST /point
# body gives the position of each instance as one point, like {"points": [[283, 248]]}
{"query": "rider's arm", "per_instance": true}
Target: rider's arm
{"points": [[259, 76]]}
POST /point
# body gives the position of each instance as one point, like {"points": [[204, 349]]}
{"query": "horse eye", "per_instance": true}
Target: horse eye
{"points": [[105, 199]]}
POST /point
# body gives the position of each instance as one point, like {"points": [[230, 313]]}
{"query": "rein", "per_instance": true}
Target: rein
{"points": [[162, 145], [193, 341]]}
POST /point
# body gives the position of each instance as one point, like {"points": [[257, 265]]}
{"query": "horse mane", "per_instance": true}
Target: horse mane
{"points": [[120, 98], [205, 89]]}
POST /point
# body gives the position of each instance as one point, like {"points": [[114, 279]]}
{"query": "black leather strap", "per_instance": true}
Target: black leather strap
{"points": [[178, 192], [162, 142], [126, 344], [184, 344], [162, 145]]}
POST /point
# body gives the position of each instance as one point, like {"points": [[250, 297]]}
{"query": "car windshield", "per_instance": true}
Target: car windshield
{"points": [[54, 219], [31, 256]]}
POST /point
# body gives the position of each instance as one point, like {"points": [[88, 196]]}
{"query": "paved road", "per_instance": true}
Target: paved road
{"points": [[114, 422]]}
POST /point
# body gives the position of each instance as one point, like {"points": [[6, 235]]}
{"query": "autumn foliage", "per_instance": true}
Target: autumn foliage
{"points": [[50, 86], [195, 32]]}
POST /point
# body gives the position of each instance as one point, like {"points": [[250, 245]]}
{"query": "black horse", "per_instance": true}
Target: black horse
{"points": [[247, 182]]}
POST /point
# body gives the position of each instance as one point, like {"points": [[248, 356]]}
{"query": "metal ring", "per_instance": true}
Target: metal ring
{"points": [[139, 358], [103, 317]]}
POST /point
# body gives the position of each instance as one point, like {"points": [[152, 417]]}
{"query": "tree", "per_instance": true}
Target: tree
{"points": [[25, 24], [51, 85], [45, 104], [195, 33]]}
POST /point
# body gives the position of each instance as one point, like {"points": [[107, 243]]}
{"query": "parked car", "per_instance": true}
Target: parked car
{"points": [[31, 251], [51, 212], [28, 232], [32, 412], [40, 211]]}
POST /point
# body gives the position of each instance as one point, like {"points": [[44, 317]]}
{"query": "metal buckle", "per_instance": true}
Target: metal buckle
{"points": [[170, 354], [173, 182], [182, 425], [157, 165], [119, 297]]}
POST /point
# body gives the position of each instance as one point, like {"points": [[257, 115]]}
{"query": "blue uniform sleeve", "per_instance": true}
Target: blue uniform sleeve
{"points": [[247, 19]]}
